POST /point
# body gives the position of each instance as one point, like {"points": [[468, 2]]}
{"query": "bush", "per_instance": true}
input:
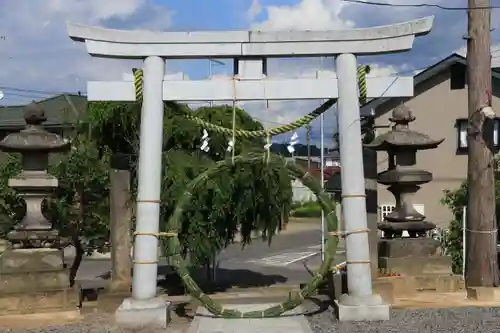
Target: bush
{"points": [[306, 209], [455, 200]]}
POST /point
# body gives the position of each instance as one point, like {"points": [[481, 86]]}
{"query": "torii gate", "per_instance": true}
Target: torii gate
{"points": [[250, 49]]}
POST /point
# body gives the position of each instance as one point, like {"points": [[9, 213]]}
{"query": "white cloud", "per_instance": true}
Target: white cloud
{"points": [[495, 54], [307, 15], [37, 53]]}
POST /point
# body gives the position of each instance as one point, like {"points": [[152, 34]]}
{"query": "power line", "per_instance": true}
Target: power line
{"points": [[417, 5], [33, 91]]}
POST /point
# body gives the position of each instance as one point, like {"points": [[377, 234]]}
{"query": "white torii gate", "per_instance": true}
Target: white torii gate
{"points": [[250, 49]]}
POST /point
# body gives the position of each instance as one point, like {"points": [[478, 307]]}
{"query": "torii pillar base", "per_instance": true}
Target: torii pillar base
{"points": [[139, 314], [362, 308]]}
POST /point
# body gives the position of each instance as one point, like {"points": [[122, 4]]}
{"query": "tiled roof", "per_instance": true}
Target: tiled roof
{"points": [[60, 110], [424, 75]]}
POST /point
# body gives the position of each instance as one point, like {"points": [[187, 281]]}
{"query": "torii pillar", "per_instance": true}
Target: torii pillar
{"points": [[250, 49]]}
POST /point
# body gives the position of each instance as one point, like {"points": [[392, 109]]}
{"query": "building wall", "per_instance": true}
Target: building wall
{"points": [[436, 108]]}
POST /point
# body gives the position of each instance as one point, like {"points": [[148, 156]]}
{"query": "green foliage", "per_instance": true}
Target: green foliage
{"points": [[452, 239], [247, 198], [11, 205], [306, 209], [80, 206]]}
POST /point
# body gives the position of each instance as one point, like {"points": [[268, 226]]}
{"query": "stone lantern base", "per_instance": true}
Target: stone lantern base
{"points": [[420, 265], [35, 281]]}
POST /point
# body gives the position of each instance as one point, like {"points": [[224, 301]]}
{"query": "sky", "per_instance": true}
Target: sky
{"points": [[39, 60]]}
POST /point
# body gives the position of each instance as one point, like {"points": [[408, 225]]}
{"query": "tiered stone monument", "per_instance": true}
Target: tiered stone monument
{"points": [[415, 257], [33, 277]]}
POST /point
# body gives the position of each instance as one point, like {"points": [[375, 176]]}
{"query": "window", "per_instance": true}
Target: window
{"points": [[458, 76], [462, 125], [385, 210]]}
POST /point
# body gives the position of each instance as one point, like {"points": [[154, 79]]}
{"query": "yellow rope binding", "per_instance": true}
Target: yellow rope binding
{"points": [[155, 234], [138, 83]]}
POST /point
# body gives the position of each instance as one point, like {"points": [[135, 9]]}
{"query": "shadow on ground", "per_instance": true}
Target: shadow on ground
{"points": [[226, 279], [171, 284]]}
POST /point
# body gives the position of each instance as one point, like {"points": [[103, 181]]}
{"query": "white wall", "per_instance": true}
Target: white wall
{"points": [[301, 192]]}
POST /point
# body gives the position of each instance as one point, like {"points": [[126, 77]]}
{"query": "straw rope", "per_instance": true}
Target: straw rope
{"points": [[174, 223], [243, 134]]}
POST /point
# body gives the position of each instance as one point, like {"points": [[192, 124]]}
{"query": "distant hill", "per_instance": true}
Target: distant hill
{"points": [[300, 150]]}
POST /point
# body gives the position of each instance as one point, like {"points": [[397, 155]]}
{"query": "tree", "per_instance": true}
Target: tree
{"points": [[244, 199], [80, 206], [80, 210]]}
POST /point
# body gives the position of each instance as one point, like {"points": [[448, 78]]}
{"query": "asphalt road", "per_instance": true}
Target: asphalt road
{"points": [[256, 264]]}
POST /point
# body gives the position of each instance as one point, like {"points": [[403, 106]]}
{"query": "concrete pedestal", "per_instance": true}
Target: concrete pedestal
{"points": [[362, 308], [35, 281], [139, 314], [420, 265]]}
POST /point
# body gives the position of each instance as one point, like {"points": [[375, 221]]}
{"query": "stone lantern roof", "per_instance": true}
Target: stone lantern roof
{"points": [[34, 138], [401, 136]]}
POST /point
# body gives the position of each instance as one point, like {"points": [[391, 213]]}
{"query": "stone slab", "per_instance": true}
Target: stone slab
{"points": [[143, 314], [407, 247], [362, 308], [31, 260], [439, 282], [291, 322], [40, 302], [401, 285], [363, 312], [483, 293], [31, 282], [417, 265]]}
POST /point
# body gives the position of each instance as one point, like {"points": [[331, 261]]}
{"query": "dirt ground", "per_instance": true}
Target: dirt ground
{"points": [[441, 300]]}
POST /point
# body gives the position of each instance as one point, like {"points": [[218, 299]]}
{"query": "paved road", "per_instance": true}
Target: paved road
{"points": [[281, 261], [285, 260]]}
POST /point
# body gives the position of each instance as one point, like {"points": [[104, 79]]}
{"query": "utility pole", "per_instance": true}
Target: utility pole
{"points": [[481, 232], [308, 139]]}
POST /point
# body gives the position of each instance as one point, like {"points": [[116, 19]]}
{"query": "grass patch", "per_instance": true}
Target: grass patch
{"points": [[306, 209]]}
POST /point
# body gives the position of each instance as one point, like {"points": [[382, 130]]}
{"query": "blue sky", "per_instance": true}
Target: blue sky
{"points": [[39, 60]]}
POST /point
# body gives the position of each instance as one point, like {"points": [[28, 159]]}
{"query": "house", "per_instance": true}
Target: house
{"points": [[440, 105], [62, 111], [301, 192]]}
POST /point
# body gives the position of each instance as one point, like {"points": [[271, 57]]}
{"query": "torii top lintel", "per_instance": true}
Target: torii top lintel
{"points": [[102, 42]]}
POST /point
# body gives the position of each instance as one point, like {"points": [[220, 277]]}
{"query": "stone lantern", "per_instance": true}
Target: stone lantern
{"points": [[402, 176], [33, 276], [416, 255], [34, 184]]}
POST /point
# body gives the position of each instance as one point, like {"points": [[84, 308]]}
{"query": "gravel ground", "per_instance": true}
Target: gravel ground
{"points": [[323, 320], [463, 320]]}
